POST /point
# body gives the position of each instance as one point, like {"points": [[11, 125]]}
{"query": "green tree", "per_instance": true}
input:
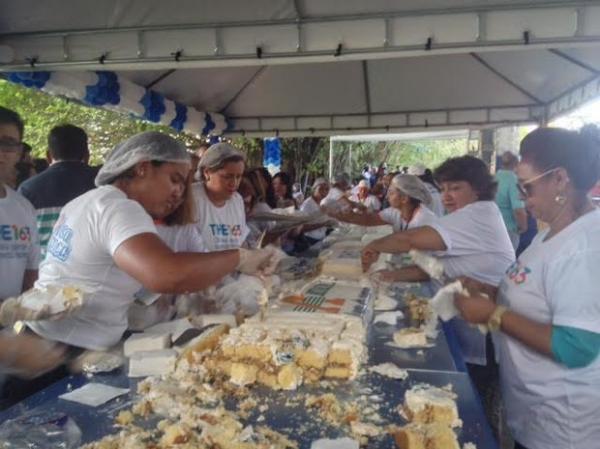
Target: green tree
{"points": [[105, 129]]}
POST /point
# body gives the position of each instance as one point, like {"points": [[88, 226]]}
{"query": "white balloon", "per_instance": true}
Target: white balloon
{"points": [[169, 114]]}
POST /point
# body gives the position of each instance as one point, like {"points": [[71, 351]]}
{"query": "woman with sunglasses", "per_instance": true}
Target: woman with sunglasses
{"points": [[546, 314]]}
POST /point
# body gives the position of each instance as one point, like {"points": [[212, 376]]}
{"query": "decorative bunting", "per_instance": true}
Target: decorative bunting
{"points": [[111, 91]]}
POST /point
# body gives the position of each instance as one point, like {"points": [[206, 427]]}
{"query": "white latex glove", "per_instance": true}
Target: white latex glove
{"points": [[11, 311], [261, 261]]}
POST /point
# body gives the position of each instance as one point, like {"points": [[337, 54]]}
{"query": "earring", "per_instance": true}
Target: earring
{"points": [[560, 199]]}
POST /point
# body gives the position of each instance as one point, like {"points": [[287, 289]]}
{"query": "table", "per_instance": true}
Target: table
{"points": [[438, 366]]}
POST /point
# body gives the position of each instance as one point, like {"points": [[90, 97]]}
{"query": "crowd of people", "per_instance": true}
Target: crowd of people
{"points": [[155, 218]]}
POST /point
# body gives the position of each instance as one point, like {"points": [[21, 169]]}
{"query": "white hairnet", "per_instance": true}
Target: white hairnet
{"points": [[412, 186], [217, 153], [146, 146], [341, 178], [318, 182], [417, 170]]}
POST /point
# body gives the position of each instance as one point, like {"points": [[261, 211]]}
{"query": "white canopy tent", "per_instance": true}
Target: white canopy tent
{"points": [[314, 67]]}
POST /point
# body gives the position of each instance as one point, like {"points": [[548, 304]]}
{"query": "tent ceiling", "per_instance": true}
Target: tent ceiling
{"points": [[301, 67]]}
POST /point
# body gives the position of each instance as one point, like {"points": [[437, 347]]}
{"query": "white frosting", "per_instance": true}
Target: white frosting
{"points": [[152, 363], [146, 342], [389, 370]]}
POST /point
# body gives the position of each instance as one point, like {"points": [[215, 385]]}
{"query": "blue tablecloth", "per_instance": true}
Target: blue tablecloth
{"points": [[441, 365]]}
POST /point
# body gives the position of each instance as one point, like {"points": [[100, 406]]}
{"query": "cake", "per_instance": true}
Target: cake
{"points": [[288, 349], [425, 436], [419, 308], [146, 342], [152, 363], [343, 264], [389, 370], [427, 404], [410, 337]]}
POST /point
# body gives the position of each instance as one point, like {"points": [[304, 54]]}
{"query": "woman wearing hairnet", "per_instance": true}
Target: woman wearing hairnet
{"points": [[106, 243], [220, 219], [363, 200], [408, 198], [471, 240]]}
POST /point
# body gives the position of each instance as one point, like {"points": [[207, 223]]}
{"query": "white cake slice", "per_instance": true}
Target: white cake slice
{"points": [[152, 363], [146, 342]]}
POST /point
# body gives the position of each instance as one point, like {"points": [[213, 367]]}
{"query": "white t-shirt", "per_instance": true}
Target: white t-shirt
{"points": [[19, 245], [333, 196], [222, 227], [478, 246], [262, 225], [477, 243], [371, 202], [436, 205], [550, 406], [80, 252], [421, 217], [310, 206], [181, 238]]}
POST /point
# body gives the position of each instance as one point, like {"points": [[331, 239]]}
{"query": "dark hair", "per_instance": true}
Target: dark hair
{"points": [[471, 170], [287, 180], [577, 152], [247, 188], [185, 213], [429, 179], [68, 143], [40, 164], [23, 170], [26, 147], [10, 117]]}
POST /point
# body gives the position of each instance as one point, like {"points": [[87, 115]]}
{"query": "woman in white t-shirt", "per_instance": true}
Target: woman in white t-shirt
{"points": [[179, 232], [408, 198], [470, 241], [426, 176], [105, 242], [363, 200], [256, 193], [220, 218], [546, 316], [282, 186], [311, 205]]}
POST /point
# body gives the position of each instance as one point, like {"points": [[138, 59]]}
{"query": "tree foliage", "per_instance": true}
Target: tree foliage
{"points": [[303, 158], [351, 157], [41, 112]]}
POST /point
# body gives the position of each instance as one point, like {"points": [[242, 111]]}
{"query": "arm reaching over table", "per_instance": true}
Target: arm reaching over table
{"points": [[423, 238]]}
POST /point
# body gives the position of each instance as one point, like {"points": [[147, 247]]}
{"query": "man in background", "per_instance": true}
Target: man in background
{"points": [[509, 200], [68, 176], [19, 250]]}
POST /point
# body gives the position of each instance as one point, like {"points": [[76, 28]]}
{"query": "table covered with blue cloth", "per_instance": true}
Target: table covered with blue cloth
{"points": [[440, 365]]}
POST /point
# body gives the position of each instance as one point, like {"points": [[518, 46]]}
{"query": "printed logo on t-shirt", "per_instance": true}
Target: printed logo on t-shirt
{"points": [[518, 273], [15, 241], [15, 233], [225, 230], [60, 242]]}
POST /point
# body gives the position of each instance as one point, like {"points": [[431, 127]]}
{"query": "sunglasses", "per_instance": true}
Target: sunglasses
{"points": [[525, 188]]}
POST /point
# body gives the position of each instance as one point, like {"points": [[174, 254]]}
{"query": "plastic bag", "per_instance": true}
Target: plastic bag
{"points": [[40, 430], [241, 294]]}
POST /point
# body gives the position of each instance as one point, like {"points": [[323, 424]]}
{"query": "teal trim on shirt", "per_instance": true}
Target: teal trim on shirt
{"points": [[574, 348], [508, 198]]}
